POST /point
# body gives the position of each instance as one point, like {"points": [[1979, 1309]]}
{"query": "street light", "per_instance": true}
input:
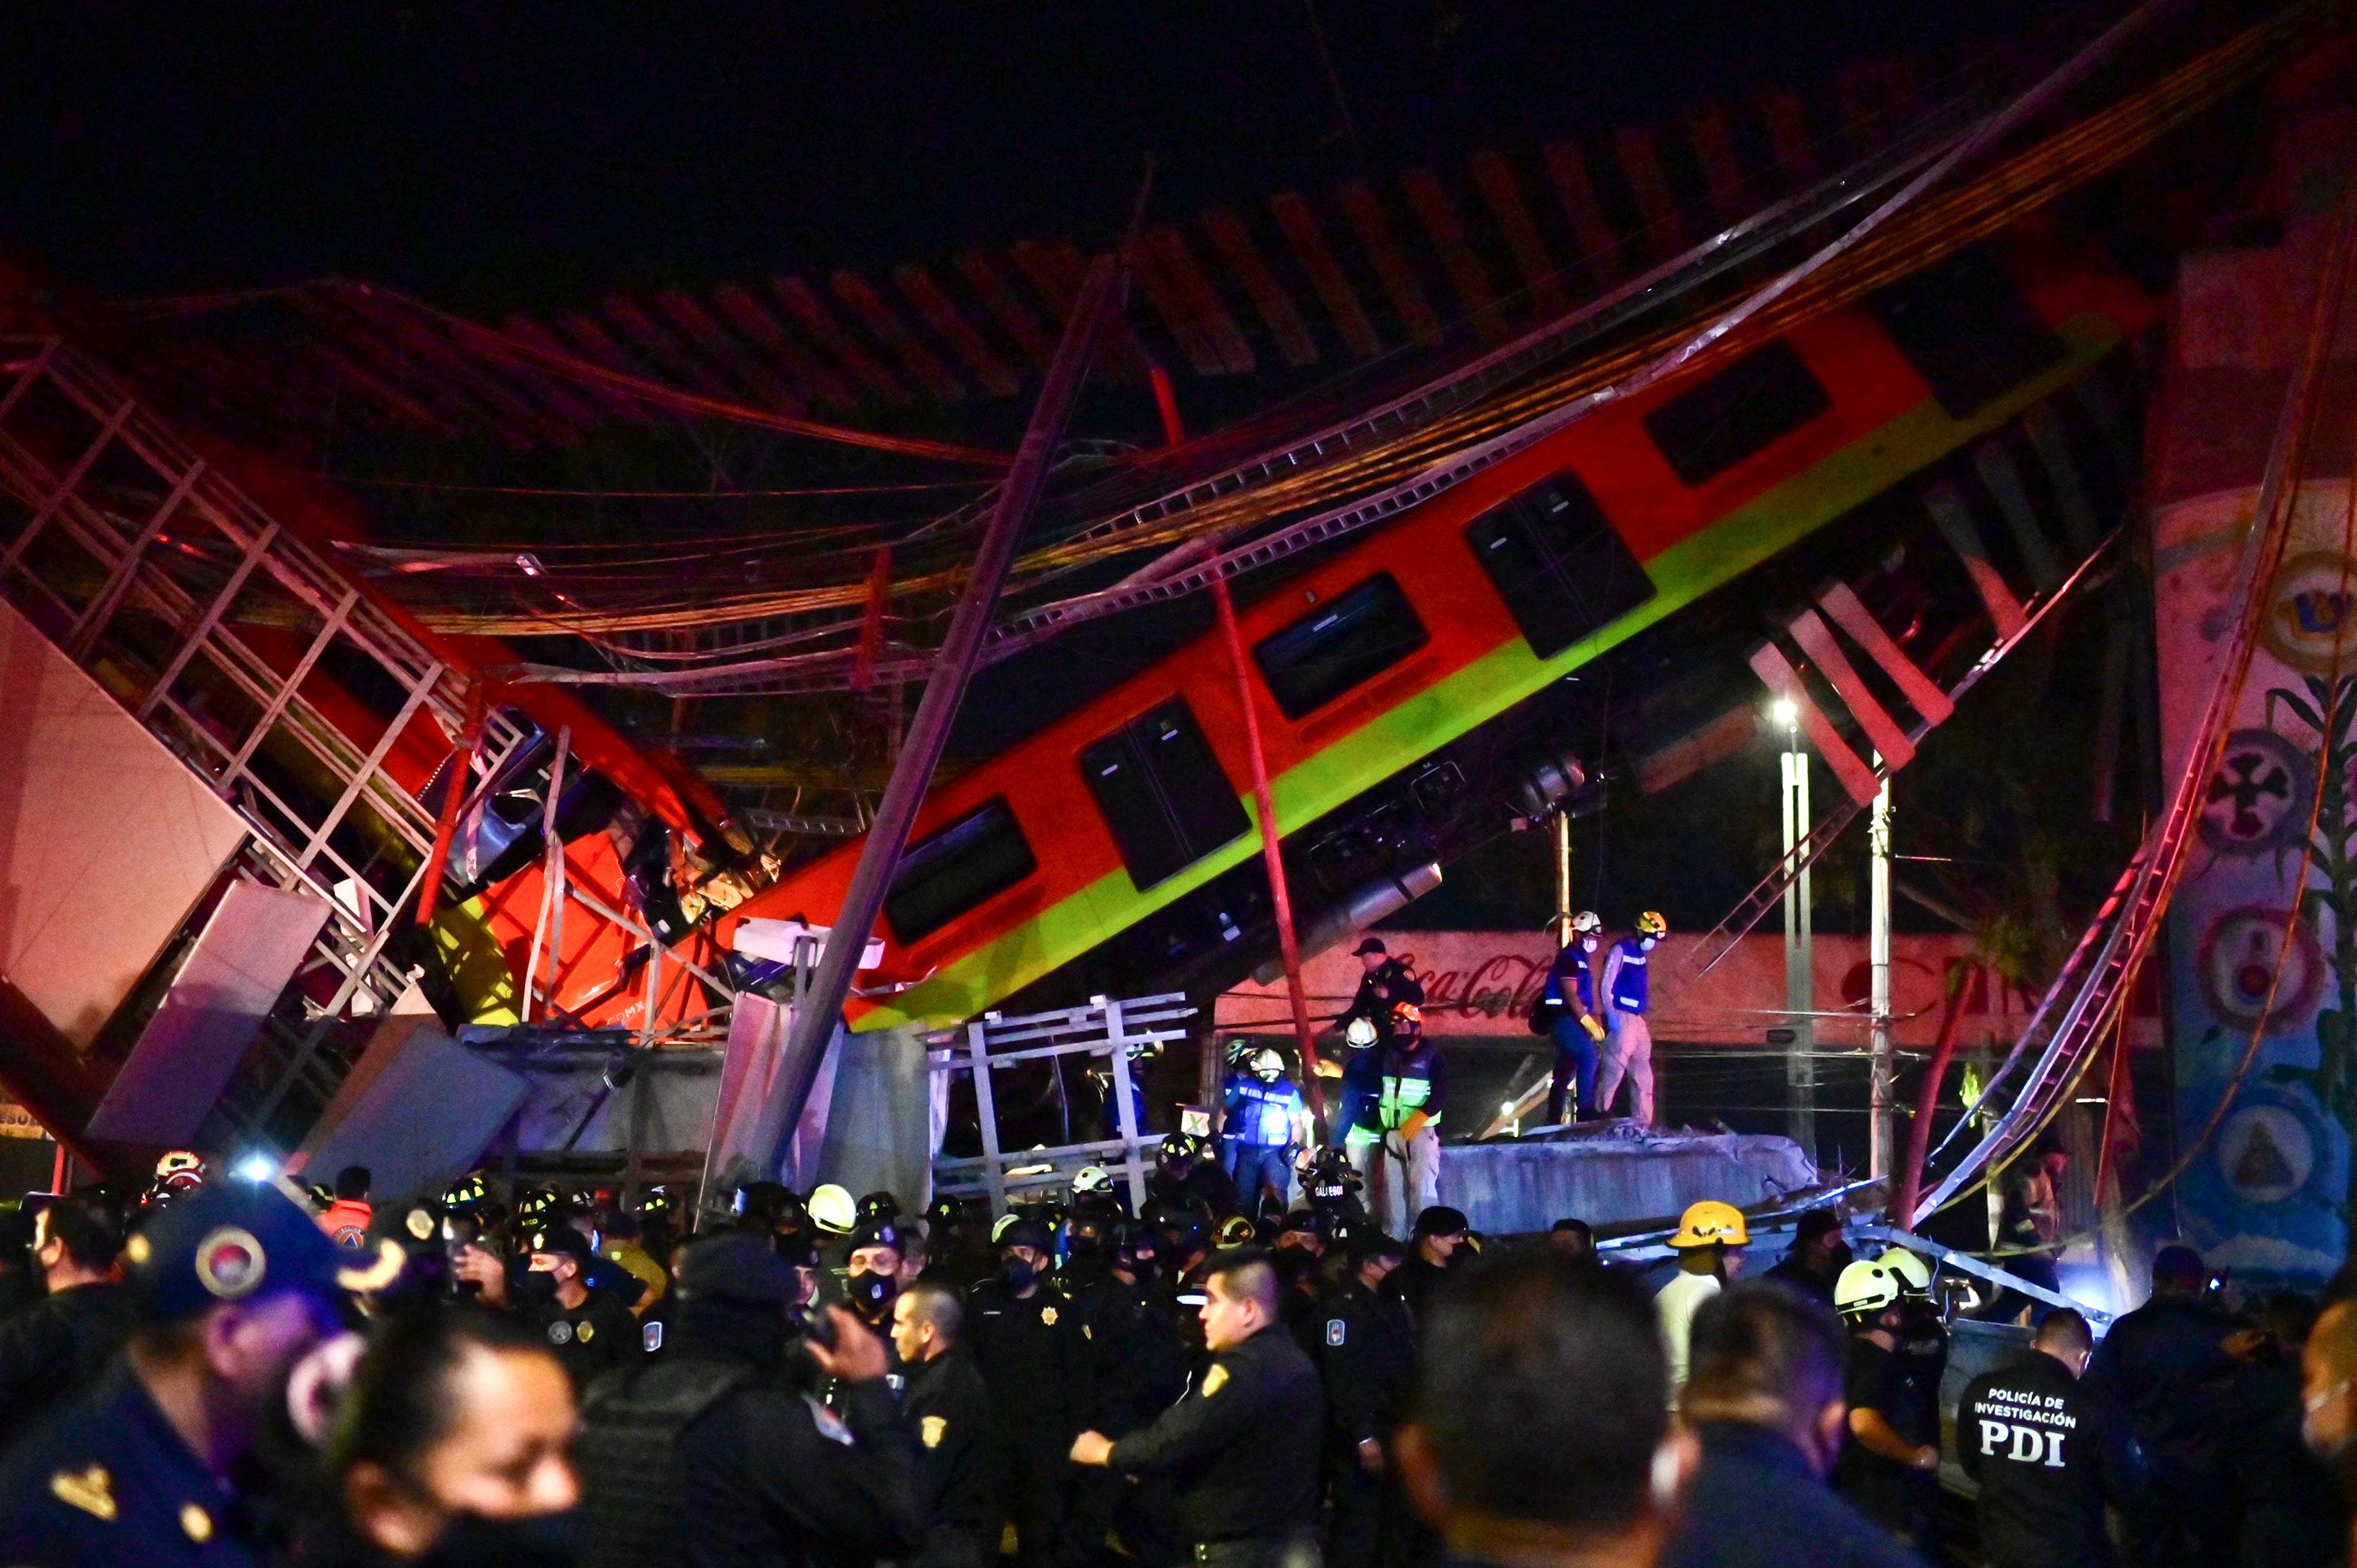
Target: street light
{"points": [[1799, 979], [1782, 711]]}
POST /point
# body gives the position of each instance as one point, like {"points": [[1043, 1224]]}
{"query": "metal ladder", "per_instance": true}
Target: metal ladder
{"points": [[151, 569]]}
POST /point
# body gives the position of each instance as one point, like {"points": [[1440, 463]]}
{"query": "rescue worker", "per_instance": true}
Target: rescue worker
{"points": [[716, 1452], [1813, 1264], [1414, 1092], [2030, 1229], [346, 1221], [2046, 1452], [2161, 1367], [1629, 1037], [1264, 1122], [1356, 1128], [180, 1174], [944, 1402], [56, 1350], [1186, 1172], [1569, 996], [1366, 1359], [1709, 1243], [1763, 1398], [232, 1284], [1384, 982], [1025, 1337], [621, 1241], [1890, 1468], [1247, 1497]]}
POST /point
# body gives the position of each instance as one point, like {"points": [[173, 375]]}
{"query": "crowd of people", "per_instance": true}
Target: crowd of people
{"points": [[234, 1371]]}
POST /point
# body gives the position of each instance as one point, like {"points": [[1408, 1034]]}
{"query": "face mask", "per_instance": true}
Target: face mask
{"points": [[870, 1296], [1145, 1268], [1587, 944], [536, 1541], [1646, 943], [1016, 1274]]}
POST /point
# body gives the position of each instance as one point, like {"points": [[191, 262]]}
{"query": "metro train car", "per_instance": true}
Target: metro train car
{"points": [[1409, 635]]}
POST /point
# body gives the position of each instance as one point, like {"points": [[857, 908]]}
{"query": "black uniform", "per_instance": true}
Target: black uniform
{"points": [[590, 1339], [1029, 1352], [1898, 1497], [109, 1482], [2165, 1369], [2047, 1453], [1244, 1483], [1389, 983], [705, 1458], [57, 1350], [1135, 1369], [947, 1406], [1795, 1271], [2291, 1516], [1754, 1503], [1366, 1359], [1413, 1283]]}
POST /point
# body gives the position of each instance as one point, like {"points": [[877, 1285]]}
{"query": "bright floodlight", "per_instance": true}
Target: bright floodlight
{"points": [[256, 1168], [1507, 1109], [1783, 712]]}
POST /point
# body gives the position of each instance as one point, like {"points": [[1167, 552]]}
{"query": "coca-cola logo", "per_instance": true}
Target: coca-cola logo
{"points": [[1498, 986]]}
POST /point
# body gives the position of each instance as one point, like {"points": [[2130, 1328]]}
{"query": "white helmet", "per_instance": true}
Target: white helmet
{"points": [[1586, 923], [1360, 1033], [1267, 1066], [832, 1209], [1092, 1178]]}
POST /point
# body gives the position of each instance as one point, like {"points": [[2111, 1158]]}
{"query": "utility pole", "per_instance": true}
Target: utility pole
{"points": [[1799, 979], [1562, 875], [1878, 957]]}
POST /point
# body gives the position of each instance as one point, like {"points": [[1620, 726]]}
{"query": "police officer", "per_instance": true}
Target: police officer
{"points": [[1384, 982], [1414, 1093], [2047, 1453], [56, 1350], [1246, 1495], [1265, 1122], [1026, 1336], [872, 1273], [2163, 1367], [946, 1404], [1889, 1470], [1578, 1028], [1629, 1039], [1432, 1251], [1366, 1359], [718, 1452], [233, 1284], [591, 1331]]}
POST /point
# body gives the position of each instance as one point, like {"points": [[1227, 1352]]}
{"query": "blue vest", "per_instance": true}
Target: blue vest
{"points": [[1628, 982], [1570, 980], [1261, 1113]]}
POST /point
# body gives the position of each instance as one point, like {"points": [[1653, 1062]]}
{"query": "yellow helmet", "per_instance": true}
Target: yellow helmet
{"points": [[1866, 1289], [1650, 924], [1236, 1230], [832, 1209], [1914, 1273], [1711, 1223]]}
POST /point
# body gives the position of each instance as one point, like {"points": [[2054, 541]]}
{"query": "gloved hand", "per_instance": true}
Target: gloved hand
{"points": [[1413, 1125], [1593, 1025]]}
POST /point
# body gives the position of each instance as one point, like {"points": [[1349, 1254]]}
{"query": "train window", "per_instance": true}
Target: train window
{"points": [[974, 859], [1968, 330], [1558, 563], [1162, 793], [1708, 429], [1343, 642]]}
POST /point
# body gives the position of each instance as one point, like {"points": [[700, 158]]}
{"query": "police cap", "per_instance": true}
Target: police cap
{"points": [[878, 1233], [1025, 1233], [234, 1240], [733, 1266], [1372, 944], [560, 1241], [1441, 1220]]}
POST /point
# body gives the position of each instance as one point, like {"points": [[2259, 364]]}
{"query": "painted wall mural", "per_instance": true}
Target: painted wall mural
{"points": [[2263, 960]]}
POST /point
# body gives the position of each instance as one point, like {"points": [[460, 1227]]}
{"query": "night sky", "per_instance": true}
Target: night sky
{"points": [[497, 156]]}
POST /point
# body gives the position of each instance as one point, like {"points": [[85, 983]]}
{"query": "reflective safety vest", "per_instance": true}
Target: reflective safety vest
{"points": [[1410, 1084], [1628, 984], [1262, 1113]]}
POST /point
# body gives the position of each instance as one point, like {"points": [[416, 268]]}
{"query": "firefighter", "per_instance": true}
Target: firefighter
{"points": [[2047, 1452], [1570, 993], [1709, 1243], [1414, 1091], [1890, 1468], [1629, 1039], [1265, 1122]]}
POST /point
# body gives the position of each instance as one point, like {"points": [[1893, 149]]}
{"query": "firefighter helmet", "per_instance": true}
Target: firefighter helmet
{"points": [[1091, 1179], [1358, 1033], [1407, 1017], [1177, 1147], [1650, 924], [1711, 1223], [879, 1206], [1236, 1230], [1586, 923], [1914, 1273], [832, 1209], [468, 1194], [1866, 1289], [1267, 1066]]}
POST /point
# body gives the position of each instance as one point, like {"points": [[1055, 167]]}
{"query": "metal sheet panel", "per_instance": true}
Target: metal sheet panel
{"points": [[107, 840], [1507, 1189], [243, 958], [418, 1109]]}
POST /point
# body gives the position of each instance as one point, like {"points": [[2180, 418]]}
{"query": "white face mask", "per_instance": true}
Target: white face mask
{"points": [[1646, 943], [1587, 944]]}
